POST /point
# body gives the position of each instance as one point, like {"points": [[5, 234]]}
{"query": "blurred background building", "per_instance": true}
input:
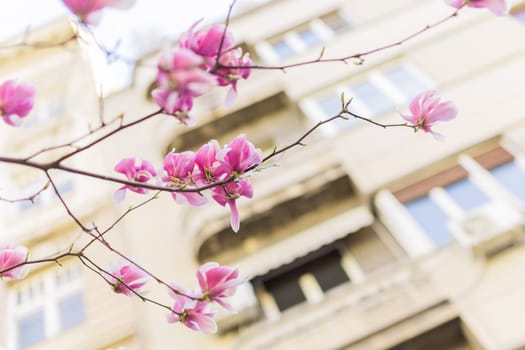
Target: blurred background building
{"points": [[365, 239]]}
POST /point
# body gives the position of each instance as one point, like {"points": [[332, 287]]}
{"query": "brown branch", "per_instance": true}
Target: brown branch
{"points": [[226, 24], [109, 134], [25, 43], [55, 259], [356, 56], [78, 139], [30, 198], [120, 218], [66, 207], [103, 273]]}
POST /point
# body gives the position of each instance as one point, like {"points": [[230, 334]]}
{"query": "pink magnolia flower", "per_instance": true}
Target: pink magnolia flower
{"points": [[90, 11], [218, 282], [180, 169], [239, 156], [194, 314], [426, 110], [206, 42], [12, 255], [230, 76], [16, 100], [126, 278], [142, 172], [206, 161], [180, 79], [172, 102], [228, 195], [498, 7]]}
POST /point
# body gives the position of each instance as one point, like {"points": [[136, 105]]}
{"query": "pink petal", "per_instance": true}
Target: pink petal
{"points": [[234, 212]]}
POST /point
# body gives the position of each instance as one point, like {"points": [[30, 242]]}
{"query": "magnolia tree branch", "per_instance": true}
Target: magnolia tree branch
{"points": [[226, 183], [26, 43], [359, 57], [31, 198]]}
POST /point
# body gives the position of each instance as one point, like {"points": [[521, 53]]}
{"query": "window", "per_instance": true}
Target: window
{"points": [[378, 93], [311, 277], [511, 176], [303, 37], [288, 288], [449, 335], [375, 100], [431, 218], [467, 195], [435, 210], [46, 305]]}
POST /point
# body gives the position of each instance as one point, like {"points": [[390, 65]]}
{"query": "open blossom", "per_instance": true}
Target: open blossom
{"points": [[16, 101], [180, 79], [206, 42], [218, 282], [179, 169], [426, 110], [127, 277], [228, 195], [230, 76], [498, 7], [241, 154], [12, 255], [194, 314], [90, 11], [207, 165], [142, 172]]}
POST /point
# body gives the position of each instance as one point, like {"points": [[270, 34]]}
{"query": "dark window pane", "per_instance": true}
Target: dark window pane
{"points": [[406, 81], [374, 99], [31, 329], [512, 177], [431, 218], [467, 195], [285, 290], [309, 38], [328, 271], [71, 310], [446, 336]]}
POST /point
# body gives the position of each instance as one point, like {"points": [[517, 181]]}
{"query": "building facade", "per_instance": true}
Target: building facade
{"points": [[364, 239]]}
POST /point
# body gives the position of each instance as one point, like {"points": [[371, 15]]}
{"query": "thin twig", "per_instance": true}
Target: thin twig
{"points": [[30, 198], [356, 56]]}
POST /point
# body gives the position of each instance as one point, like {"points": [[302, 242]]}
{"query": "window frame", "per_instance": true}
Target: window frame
{"points": [[48, 301], [313, 111], [411, 236], [265, 49]]}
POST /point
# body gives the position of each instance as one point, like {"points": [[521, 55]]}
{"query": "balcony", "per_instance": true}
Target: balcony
{"points": [[384, 310]]}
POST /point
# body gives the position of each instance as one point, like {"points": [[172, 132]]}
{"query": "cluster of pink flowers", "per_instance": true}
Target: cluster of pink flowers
{"points": [[191, 69], [10, 256], [498, 7], [194, 309], [426, 110], [210, 164], [16, 101], [90, 11], [191, 308]]}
